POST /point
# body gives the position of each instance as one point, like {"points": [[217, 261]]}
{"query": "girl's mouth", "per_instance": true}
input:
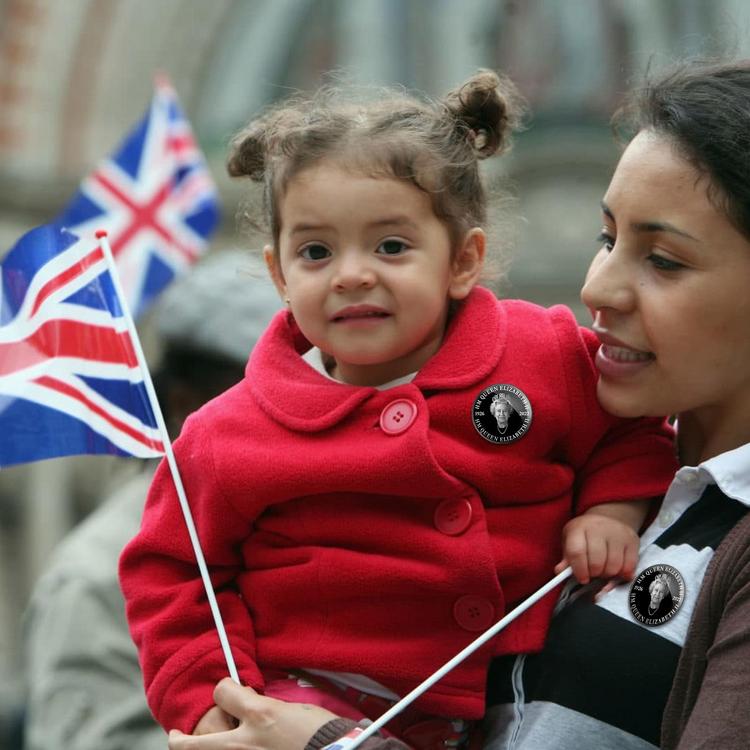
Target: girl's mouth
{"points": [[359, 313]]}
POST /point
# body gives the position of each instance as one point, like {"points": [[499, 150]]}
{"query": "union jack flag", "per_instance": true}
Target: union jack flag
{"points": [[154, 197], [70, 382]]}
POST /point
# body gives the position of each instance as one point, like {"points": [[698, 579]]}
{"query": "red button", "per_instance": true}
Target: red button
{"points": [[453, 516], [474, 613], [398, 416]]}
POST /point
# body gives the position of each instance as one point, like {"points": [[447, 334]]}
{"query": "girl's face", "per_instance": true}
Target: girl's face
{"points": [[669, 291], [368, 270]]}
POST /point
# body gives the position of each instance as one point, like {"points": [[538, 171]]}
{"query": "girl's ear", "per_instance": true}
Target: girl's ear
{"points": [[467, 264], [274, 269]]}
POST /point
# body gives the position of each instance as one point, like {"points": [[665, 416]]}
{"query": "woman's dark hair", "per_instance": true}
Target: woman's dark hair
{"points": [[435, 145], [704, 109]]}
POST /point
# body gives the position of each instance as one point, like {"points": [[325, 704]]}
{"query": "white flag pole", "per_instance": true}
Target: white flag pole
{"points": [[397, 708], [169, 453]]}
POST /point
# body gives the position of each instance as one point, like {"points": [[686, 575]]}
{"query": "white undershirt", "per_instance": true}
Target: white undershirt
{"points": [[314, 358]]}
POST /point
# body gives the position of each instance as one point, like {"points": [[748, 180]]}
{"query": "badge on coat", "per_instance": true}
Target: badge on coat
{"points": [[657, 594], [502, 413]]}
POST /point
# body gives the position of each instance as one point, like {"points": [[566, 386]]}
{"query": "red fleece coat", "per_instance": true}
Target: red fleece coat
{"points": [[323, 532]]}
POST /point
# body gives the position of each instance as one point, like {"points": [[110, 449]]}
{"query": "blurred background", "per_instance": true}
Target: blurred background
{"points": [[75, 75]]}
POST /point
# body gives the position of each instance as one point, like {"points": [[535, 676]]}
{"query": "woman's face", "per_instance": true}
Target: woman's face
{"points": [[501, 410], [670, 292]]}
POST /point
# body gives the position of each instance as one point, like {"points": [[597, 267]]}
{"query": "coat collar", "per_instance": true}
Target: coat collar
{"points": [[294, 394]]}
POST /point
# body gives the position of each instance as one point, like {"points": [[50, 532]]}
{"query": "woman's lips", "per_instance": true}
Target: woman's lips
{"points": [[621, 361]]}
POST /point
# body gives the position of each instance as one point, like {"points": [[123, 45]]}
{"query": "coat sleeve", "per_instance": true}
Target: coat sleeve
{"points": [[167, 608], [615, 459], [709, 705], [337, 728]]}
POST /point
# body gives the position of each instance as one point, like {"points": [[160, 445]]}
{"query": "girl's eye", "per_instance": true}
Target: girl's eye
{"points": [[392, 247], [315, 252], [664, 264], [606, 240]]}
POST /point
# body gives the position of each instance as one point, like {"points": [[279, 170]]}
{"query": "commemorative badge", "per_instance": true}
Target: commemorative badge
{"points": [[656, 595], [501, 413]]}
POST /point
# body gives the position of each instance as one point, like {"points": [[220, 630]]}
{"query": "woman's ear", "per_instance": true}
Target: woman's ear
{"points": [[467, 264], [274, 270]]}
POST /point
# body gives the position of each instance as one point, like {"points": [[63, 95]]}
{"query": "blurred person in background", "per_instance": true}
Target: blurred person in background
{"points": [[85, 689]]}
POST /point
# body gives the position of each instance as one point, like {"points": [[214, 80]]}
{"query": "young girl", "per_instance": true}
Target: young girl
{"points": [[364, 511]]}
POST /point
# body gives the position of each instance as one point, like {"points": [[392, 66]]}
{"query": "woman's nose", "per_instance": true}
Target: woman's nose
{"points": [[608, 283]]}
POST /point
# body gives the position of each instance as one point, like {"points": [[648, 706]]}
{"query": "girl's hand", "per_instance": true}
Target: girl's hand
{"points": [[598, 546], [261, 723]]}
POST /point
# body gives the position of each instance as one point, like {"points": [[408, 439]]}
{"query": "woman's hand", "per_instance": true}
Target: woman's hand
{"points": [[243, 719], [215, 720]]}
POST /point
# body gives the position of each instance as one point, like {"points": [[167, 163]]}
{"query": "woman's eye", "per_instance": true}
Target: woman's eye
{"points": [[606, 240], [664, 264], [392, 247], [315, 252]]}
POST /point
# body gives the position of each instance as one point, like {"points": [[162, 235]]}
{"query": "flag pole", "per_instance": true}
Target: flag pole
{"points": [[101, 235], [457, 659]]}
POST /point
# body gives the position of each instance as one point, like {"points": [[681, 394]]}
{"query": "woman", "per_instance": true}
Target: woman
{"points": [[668, 292]]}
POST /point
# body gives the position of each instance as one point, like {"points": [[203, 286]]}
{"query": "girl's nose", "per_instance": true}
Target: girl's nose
{"points": [[352, 272], [608, 283]]}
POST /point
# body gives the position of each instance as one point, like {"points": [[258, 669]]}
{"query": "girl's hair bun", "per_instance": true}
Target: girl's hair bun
{"points": [[433, 144], [247, 152], [487, 108]]}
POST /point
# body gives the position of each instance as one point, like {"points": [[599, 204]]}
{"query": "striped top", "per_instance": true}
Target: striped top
{"points": [[603, 678]]}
